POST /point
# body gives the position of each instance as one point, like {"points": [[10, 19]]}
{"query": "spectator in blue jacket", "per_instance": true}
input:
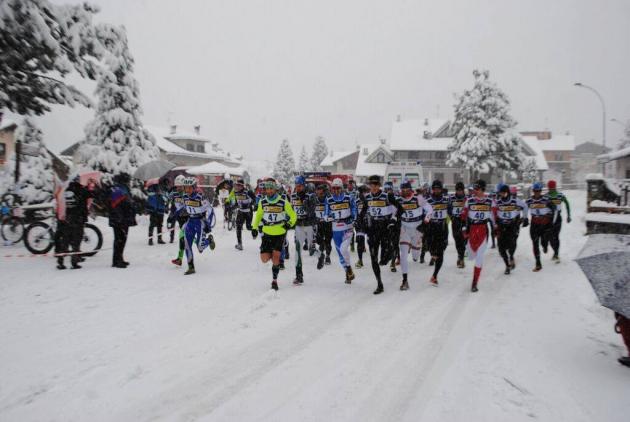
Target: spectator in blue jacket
{"points": [[122, 215], [156, 207]]}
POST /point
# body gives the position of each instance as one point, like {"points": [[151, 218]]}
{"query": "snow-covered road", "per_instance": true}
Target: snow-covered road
{"points": [[147, 343]]}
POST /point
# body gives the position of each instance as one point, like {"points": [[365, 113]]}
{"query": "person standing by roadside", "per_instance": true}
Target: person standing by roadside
{"points": [[156, 206], [70, 228], [122, 215]]}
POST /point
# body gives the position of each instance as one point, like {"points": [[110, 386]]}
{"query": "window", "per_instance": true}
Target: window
{"points": [[440, 155], [414, 155], [3, 152], [380, 157], [627, 173], [365, 151], [457, 177], [200, 148], [395, 178], [558, 157], [438, 176], [190, 147], [413, 178]]}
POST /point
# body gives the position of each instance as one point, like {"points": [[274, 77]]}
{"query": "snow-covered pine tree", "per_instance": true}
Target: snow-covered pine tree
{"points": [[285, 163], [484, 137], [304, 163], [40, 43], [530, 172], [320, 151], [115, 141], [36, 172]]}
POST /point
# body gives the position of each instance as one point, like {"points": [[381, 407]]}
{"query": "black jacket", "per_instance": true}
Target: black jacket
{"points": [[76, 197], [122, 212]]}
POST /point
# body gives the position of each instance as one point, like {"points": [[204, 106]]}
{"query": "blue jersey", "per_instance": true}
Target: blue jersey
{"points": [[342, 210]]}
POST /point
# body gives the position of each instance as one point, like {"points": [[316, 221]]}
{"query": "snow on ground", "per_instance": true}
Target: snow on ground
{"points": [[148, 343]]}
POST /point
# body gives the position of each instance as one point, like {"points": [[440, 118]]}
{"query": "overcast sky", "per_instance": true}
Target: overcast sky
{"points": [[254, 72]]}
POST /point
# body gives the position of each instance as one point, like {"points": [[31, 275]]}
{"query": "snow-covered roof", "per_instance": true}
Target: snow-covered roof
{"points": [[615, 155], [558, 143], [409, 135], [368, 169], [215, 167], [7, 124], [161, 134], [532, 143], [335, 156]]}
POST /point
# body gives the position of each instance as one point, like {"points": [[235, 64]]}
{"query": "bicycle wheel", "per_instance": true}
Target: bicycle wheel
{"points": [[92, 240], [39, 238], [12, 229]]}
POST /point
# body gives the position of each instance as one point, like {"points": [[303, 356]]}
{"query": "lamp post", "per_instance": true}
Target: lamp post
{"points": [[601, 100], [619, 122]]}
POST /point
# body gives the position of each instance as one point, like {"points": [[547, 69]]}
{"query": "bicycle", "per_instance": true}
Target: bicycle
{"points": [[39, 238], [12, 228]]}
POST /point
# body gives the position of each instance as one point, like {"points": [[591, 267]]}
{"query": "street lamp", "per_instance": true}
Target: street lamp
{"points": [[601, 99], [618, 122]]}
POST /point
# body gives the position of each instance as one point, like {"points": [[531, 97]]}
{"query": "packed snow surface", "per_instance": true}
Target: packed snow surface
{"points": [[148, 343]]}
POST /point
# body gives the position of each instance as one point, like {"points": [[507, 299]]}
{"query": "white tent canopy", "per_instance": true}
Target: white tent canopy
{"points": [[215, 167]]}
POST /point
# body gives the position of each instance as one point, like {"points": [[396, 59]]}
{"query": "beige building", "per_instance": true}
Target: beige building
{"points": [[7, 140]]}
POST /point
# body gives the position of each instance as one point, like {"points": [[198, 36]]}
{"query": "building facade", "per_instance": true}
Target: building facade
{"points": [[7, 140]]}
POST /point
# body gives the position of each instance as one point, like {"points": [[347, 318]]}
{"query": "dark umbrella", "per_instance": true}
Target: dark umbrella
{"points": [[153, 170], [605, 260]]}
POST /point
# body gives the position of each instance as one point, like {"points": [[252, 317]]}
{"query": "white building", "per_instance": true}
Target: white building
{"points": [[417, 152]]}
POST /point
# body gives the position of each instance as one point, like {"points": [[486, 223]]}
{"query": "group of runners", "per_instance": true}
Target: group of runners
{"points": [[389, 224]]}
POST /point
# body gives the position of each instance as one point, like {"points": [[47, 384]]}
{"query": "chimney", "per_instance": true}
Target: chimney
{"points": [[173, 129], [426, 121], [398, 117], [198, 130]]}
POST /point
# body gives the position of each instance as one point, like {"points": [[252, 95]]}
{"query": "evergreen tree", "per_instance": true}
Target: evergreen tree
{"points": [[41, 43], [304, 163], [36, 172], [625, 141], [284, 167], [530, 172], [320, 151], [484, 137], [115, 141]]}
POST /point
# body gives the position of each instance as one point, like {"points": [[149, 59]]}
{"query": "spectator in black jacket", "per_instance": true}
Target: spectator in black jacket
{"points": [[70, 227], [122, 215]]}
